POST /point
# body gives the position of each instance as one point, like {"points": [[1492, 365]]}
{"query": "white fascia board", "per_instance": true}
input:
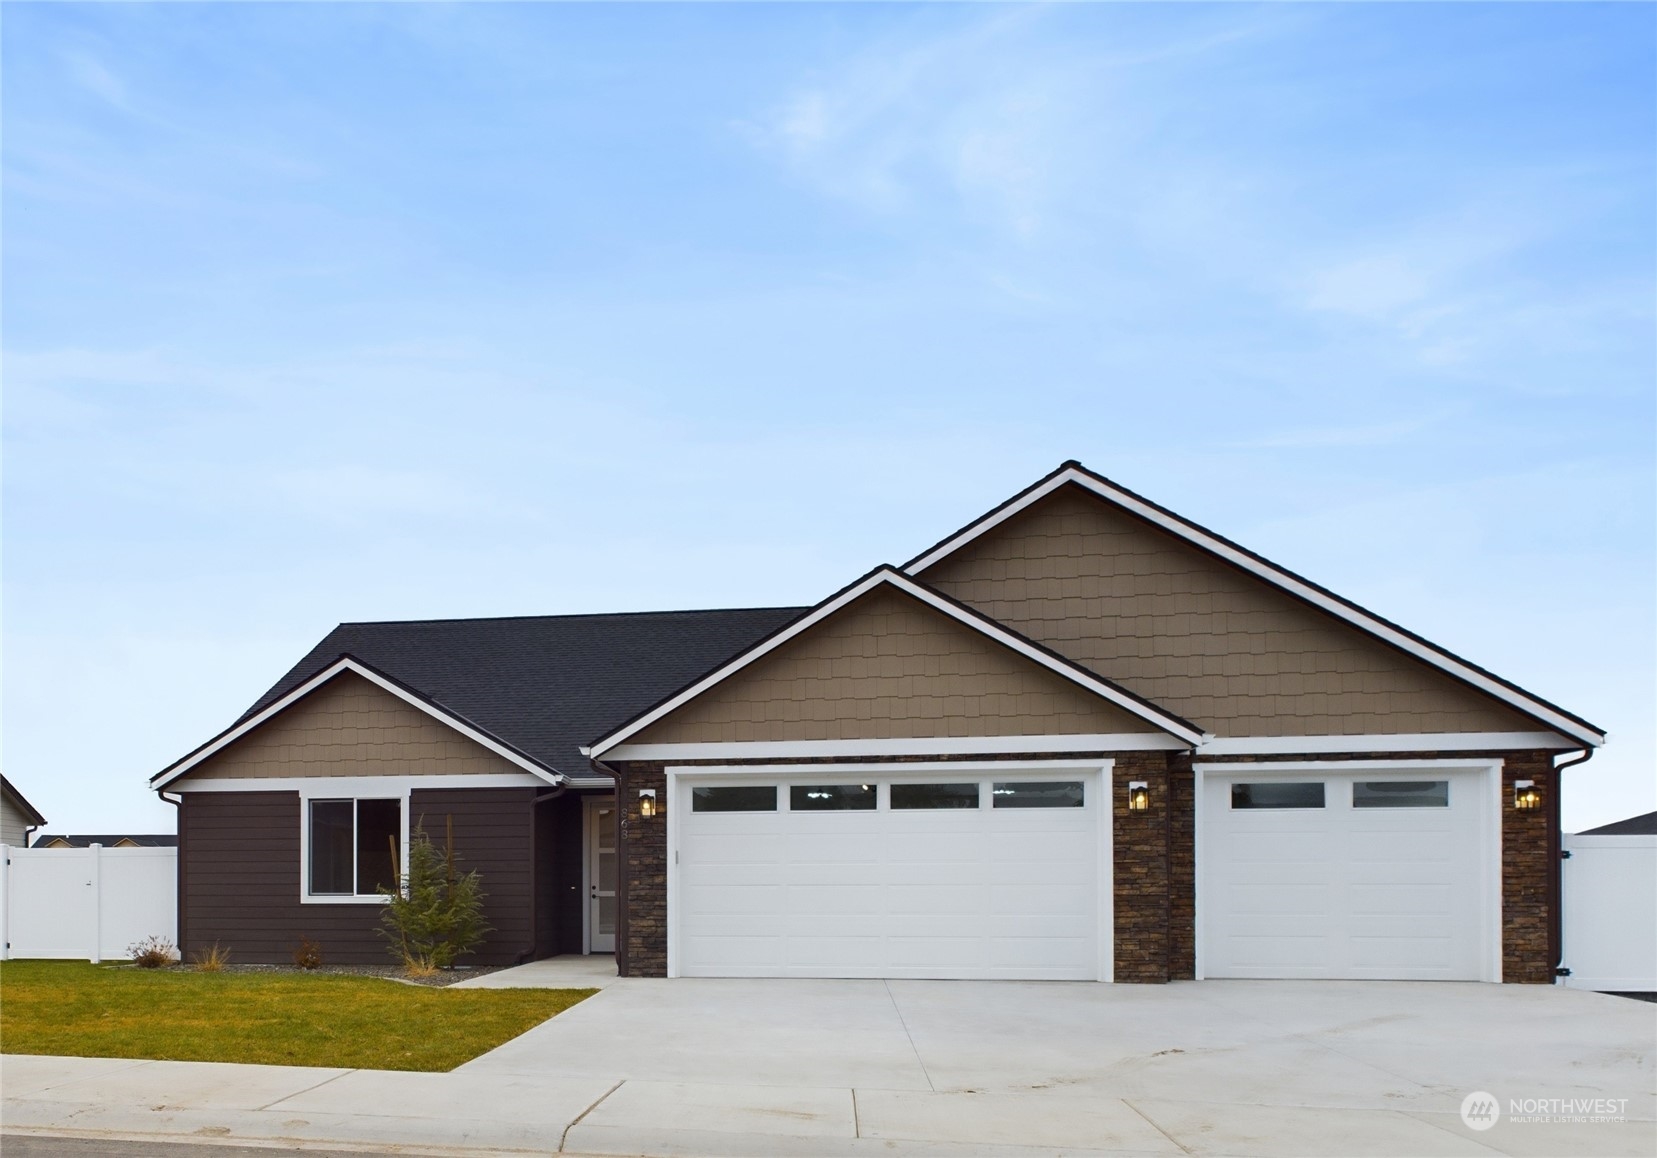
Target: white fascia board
{"points": [[926, 746], [361, 786], [1411, 742], [1276, 576], [1323, 766], [337, 668], [890, 577]]}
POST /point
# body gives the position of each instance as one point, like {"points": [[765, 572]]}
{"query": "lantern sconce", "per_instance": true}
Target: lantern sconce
{"points": [[1139, 796], [1526, 796], [647, 802]]}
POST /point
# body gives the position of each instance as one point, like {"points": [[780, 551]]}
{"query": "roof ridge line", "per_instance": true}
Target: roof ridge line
{"points": [[570, 615]]}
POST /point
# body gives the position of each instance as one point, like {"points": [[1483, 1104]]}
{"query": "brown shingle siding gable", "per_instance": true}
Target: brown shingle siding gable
{"points": [[349, 727], [1197, 635], [887, 666]]}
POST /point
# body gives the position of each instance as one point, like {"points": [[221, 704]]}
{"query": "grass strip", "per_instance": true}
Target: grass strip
{"points": [[78, 1009]]}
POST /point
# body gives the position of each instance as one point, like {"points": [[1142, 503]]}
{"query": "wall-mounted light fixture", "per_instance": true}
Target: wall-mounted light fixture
{"points": [[1139, 796], [1526, 796], [647, 802]]}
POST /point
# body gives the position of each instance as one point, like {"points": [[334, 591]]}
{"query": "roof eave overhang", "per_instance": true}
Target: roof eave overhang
{"points": [[348, 663], [891, 577], [1074, 474]]}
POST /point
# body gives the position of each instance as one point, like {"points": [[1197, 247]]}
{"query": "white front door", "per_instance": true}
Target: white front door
{"points": [[601, 875], [979, 873], [1372, 874]]}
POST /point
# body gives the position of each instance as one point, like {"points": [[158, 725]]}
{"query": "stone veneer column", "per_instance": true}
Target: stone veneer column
{"points": [[641, 856], [1140, 844], [1529, 861]]}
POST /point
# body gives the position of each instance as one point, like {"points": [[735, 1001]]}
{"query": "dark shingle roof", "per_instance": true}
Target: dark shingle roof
{"points": [[108, 840], [1643, 825], [549, 684]]}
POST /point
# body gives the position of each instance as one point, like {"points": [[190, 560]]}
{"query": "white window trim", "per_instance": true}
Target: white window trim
{"points": [[1490, 830], [1099, 795], [320, 790], [1277, 576]]}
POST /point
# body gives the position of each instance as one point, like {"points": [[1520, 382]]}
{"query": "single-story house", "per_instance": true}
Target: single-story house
{"points": [[1080, 738], [108, 840], [18, 817]]}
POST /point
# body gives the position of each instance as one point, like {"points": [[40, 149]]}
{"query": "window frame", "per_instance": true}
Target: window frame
{"points": [[354, 792]]}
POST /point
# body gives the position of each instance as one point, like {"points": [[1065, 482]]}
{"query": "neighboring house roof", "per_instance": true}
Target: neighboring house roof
{"points": [[112, 840], [1642, 825], [542, 685], [960, 612], [1074, 474], [18, 802]]}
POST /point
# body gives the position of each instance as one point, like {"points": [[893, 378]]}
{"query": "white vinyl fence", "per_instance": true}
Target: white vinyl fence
{"points": [[87, 903], [1610, 907]]}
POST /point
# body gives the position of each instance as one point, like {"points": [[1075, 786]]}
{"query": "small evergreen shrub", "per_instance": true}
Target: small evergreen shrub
{"points": [[437, 914]]}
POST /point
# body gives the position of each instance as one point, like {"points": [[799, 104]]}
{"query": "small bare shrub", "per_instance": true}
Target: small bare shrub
{"points": [[418, 969], [153, 953], [308, 953], [212, 960]]}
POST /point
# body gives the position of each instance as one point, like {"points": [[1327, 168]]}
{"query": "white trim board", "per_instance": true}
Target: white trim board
{"points": [[1401, 742], [1092, 742], [891, 577], [339, 667], [362, 785], [1277, 576], [924, 746]]}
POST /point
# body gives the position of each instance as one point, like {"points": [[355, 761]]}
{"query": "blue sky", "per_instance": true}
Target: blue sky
{"points": [[317, 313]]}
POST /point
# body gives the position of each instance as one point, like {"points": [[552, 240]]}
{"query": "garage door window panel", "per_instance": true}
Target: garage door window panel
{"points": [[1036, 794], [917, 797], [1278, 794], [831, 798], [1401, 794], [736, 798]]}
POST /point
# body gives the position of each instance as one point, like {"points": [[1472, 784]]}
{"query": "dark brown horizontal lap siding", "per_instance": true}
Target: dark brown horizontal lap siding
{"points": [[240, 875]]}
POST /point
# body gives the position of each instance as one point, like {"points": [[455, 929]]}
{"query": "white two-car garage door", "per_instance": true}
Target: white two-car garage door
{"points": [[968, 874], [1365, 873]]}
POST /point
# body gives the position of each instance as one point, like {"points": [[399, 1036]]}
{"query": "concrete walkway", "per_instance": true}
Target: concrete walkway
{"points": [[779, 1068], [568, 972]]}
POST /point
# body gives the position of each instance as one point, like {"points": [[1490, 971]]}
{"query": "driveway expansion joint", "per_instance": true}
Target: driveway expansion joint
{"points": [[576, 1121]]}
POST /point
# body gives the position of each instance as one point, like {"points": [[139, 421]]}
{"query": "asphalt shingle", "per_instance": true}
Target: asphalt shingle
{"points": [[548, 684]]}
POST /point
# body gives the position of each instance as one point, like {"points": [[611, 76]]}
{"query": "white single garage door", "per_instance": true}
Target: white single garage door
{"points": [[1368, 873], [855, 874]]}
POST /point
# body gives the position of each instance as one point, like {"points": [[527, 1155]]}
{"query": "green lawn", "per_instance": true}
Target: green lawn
{"points": [[71, 1007]]}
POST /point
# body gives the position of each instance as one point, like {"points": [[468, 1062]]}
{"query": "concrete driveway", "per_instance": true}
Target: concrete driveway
{"points": [[726, 1067]]}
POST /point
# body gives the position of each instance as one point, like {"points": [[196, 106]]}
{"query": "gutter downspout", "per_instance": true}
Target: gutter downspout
{"points": [[535, 902], [1556, 869], [178, 870]]}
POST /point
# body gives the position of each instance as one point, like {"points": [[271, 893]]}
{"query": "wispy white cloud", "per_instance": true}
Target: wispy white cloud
{"points": [[95, 77]]}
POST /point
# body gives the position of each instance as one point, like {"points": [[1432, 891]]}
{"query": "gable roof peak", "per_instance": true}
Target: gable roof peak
{"points": [[1072, 472]]}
